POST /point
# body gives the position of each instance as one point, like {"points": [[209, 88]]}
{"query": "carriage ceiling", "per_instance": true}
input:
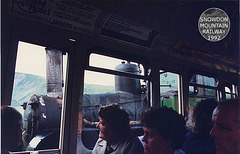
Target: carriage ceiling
{"points": [[175, 21], [178, 20]]}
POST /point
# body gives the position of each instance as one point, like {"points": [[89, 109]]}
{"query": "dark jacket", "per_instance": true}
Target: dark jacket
{"points": [[198, 144]]}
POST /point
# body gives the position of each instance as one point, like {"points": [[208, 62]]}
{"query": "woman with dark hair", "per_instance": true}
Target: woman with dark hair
{"points": [[199, 124], [164, 131], [114, 132]]}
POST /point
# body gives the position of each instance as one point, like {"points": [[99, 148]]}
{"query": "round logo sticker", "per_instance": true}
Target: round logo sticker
{"points": [[214, 24]]}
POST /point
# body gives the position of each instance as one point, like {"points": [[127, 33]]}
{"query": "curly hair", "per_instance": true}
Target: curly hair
{"points": [[200, 119], [116, 117], [169, 124]]}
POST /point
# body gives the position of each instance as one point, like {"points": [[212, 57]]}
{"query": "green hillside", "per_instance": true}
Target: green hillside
{"points": [[25, 85], [98, 89]]}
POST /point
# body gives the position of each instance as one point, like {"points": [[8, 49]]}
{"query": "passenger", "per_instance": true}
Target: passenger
{"points": [[226, 130], [114, 132], [11, 129], [199, 124], [164, 131]]}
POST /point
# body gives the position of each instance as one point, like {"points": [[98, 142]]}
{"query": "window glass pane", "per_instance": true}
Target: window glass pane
{"points": [[227, 90], [201, 94], [111, 63], [191, 89], [203, 80], [101, 89], [228, 96], [107, 88], [198, 92], [169, 90], [231, 92], [38, 91], [193, 101]]}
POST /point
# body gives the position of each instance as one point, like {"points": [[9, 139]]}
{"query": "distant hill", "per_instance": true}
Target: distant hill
{"points": [[25, 85], [98, 89]]}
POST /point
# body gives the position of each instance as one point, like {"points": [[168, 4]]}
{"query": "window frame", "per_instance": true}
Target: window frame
{"points": [[40, 39], [180, 92], [106, 71]]}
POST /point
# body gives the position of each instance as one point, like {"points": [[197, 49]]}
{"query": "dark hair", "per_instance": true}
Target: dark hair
{"points": [[200, 119], [169, 124], [116, 117], [9, 117]]}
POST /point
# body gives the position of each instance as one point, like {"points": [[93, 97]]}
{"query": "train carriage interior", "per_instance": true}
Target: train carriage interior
{"points": [[62, 60]]}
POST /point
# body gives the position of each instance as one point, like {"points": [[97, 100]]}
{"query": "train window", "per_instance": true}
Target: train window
{"points": [[228, 92], [169, 89], [231, 91], [38, 92], [127, 88], [203, 80], [202, 87]]}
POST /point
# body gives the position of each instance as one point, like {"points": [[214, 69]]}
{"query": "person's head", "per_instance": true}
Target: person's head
{"points": [[200, 119], [164, 130], [11, 127], [226, 130], [113, 122]]}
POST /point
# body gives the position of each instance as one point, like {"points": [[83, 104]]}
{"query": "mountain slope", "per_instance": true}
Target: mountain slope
{"points": [[25, 85]]}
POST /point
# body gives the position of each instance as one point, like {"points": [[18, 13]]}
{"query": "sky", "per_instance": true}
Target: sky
{"points": [[101, 78], [31, 59]]}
